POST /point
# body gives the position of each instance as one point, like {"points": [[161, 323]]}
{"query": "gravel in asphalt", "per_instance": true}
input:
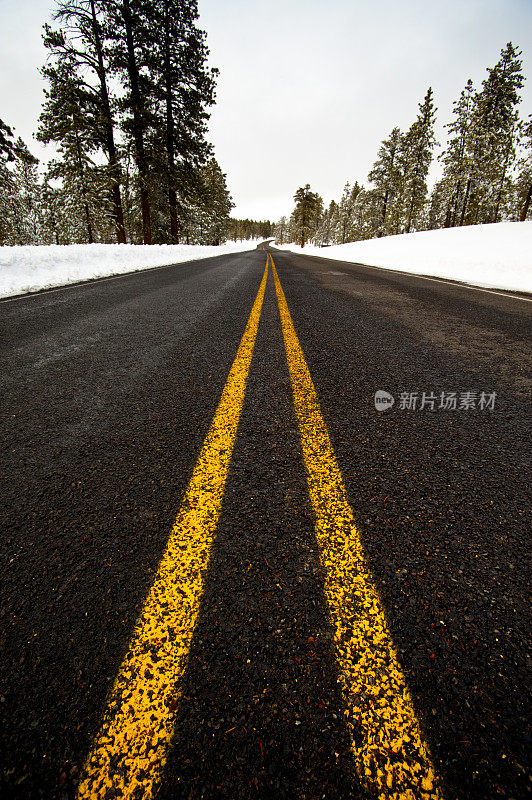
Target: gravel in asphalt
{"points": [[108, 392]]}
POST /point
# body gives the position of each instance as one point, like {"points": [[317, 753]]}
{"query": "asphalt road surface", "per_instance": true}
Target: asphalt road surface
{"points": [[219, 583]]}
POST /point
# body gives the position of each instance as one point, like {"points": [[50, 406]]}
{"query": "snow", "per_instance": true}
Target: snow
{"points": [[28, 269], [497, 256]]}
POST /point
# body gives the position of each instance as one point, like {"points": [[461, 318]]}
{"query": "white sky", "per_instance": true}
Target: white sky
{"points": [[307, 88]]}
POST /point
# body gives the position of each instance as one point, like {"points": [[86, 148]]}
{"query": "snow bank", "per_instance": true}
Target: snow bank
{"points": [[496, 256], [28, 269]]}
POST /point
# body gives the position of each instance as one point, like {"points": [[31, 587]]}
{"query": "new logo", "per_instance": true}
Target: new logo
{"points": [[383, 400]]}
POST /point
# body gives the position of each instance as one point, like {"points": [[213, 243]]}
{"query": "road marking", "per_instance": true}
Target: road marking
{"points": [[457, 284], [130, 749], [391, 757]]}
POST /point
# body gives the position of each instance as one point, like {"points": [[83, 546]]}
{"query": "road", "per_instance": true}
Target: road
{"points": [[341, 609]]}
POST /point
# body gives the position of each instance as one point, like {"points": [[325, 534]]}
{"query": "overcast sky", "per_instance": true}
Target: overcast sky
{"points": [[307, 88]]}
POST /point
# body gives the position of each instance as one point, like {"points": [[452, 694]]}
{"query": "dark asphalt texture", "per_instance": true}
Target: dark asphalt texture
{"points": [[108, 390]]}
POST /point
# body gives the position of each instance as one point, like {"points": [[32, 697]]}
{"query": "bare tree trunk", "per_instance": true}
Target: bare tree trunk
{"points": [[170, 133], [526, 205], [501, 186], [109, 133], [448, 214], [385, 206], [88, 220], [138, 138], [411, 209], [410, 212], [455, 209], [466, 200]]}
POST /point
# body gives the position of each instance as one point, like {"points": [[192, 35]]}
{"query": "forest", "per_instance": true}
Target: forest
{"points": [[127, 99], [486, 171]]}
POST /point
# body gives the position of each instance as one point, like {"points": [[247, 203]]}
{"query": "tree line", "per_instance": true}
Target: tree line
{"points": [[245, 229], [487, 171], [126, 107]]}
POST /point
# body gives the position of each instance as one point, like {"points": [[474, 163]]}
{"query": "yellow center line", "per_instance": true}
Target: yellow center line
{"points": [[391, 758], [130, 749]]}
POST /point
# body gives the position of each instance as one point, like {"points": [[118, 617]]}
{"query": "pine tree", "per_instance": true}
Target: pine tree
{"points": [[265, 229], [69, 118], [207, 220], [26, 222], [455, 158], [7, 145], [415, 159], [130, 195], [7, 204], [361, 227], [492, 139], [386, 177], [242, 229], [81, 40], [20, 198], [325, 233], [438, 213], [509, 81], [217, 201], [345, 214], [7, 184], [306, 215], [127, 27], [153, 56], [524, 181], [51, 216], [183, 88], [281, 231]]}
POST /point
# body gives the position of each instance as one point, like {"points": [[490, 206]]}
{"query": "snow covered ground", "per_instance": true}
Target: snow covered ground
{"points": [[28, 269], [496, 256]]}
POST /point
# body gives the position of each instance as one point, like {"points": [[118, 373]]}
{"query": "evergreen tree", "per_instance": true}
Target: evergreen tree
{"points": [[345, 214], [361, 227], [128, 28], [325, 234], [7, 145], [7, 204], [20, 200], [334, 221], [183, 88], [438, 213], [357, 202], [7, 185], [524, 181], [280, 231], [243, 229], [415, 159], [159, 56], [131, 199], [455, 158], [492, 139], [51, 212], [82, 41], [69, 118], [208, 219], [386, 176], [26, 221], [266, 229], [306, 215]]}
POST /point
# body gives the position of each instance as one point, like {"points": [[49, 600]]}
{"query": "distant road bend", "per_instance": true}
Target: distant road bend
{"points": [[227, 574]]}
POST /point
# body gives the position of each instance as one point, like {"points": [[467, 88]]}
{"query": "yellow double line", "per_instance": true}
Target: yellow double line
{"points": [[130, 750], [390, 755]]}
